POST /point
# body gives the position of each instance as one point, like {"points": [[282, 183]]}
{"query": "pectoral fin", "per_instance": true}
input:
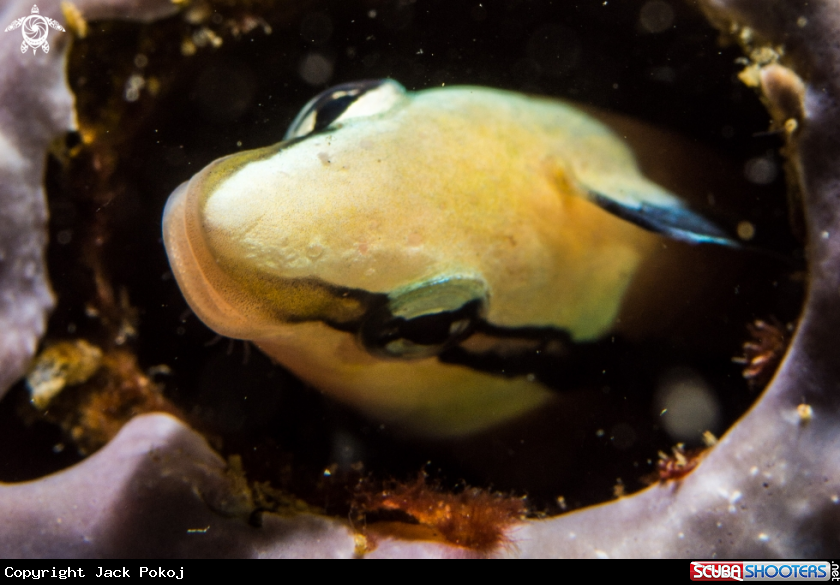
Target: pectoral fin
{"points": [[674, 221], [634, 198]]}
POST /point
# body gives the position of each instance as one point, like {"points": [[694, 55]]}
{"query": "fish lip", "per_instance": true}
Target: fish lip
{"points": [[168, 209], [190, 269]]}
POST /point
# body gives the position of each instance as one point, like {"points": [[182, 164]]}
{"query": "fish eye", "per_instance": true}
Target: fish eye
{"points": [[343, 102], [425, 320]]}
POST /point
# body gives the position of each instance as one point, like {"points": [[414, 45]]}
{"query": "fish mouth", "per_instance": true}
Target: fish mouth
{"points": [[194, 270]]}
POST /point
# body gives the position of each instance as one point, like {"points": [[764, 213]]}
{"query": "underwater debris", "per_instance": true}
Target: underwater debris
{"points": [[677, 465], [66, 363], [472, 518], [805, 413], [764, 352], [110, 389]]}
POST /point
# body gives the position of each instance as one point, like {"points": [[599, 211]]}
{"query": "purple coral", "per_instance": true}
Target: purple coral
{"points": [[26, 94], [37, 109]]}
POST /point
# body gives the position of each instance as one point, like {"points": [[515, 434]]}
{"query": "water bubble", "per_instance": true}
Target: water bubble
{"points": [[761, 170], [656, 16], [315, 69], [133, 86], [746, 230], [691, 406], [64, 237]]}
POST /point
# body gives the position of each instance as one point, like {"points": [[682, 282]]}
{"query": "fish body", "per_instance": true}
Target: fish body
{"points": [[395, 242]]}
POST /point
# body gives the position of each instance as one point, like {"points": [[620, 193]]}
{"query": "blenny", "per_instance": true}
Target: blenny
{"points": [[397, 247]]}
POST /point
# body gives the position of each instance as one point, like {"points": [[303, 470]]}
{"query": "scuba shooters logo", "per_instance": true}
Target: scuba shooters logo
{"points": [[764, 571], [34, 29]]}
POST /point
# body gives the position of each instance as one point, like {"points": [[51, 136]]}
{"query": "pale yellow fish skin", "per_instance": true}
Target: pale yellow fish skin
{"points": [[450, 182]]}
